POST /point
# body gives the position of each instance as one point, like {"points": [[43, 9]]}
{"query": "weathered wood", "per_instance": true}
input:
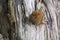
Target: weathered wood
{"points": [[51, 5], [46, 31], [12, 17]]}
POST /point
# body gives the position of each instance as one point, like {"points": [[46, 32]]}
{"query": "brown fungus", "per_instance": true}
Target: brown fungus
{"points": [[37, 17]]}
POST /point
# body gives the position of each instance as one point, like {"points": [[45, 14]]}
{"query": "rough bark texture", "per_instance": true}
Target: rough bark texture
{"points": [[47, 31], [7, 20], [58, 18], [14, 20], [4, 22]]}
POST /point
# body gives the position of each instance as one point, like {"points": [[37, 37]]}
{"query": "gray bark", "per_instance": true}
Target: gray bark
{"points": [[47, 31]]}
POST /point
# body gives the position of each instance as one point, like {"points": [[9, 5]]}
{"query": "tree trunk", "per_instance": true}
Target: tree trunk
{"points": [[15, 24], [46, 31]]}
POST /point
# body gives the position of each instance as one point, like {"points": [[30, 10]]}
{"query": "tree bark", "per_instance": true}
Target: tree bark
{"points": [[27, 31]]}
